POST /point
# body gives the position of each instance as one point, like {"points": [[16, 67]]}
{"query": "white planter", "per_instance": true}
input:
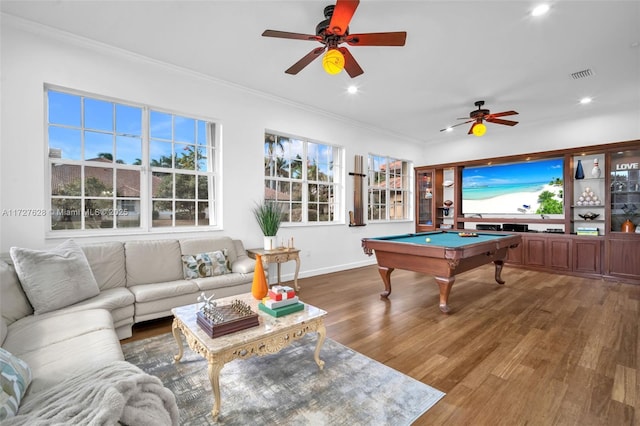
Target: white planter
{"points": [[270, 243]]}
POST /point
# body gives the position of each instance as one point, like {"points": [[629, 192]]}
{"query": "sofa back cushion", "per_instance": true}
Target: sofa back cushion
{"points": [[194, 246], [15, 304], [153, 261], [107, 264]]}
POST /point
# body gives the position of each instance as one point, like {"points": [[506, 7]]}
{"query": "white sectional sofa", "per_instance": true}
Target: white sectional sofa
{"points": [[136, 281]]}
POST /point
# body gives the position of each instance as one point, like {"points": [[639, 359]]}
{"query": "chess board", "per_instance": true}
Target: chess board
{"points": [[233, 321]]}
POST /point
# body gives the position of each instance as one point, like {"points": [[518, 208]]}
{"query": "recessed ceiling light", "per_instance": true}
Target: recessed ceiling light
{"points": [[585, 100], [540, 10], [352, 89]]}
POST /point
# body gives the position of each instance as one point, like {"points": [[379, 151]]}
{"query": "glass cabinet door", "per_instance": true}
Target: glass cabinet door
{"points": [[425, 198], [625, 190]]}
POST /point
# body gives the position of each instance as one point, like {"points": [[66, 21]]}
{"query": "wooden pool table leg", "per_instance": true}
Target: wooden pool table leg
{"points": [[385, 273], [499, 264], [445, 285]]}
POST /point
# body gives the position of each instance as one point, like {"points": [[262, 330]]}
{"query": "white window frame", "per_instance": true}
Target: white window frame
{"points": [[213, 161], [406, 188], [337, 202]]}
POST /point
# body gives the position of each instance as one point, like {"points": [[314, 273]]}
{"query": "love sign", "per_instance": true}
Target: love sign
{"points": [[628, 166]]}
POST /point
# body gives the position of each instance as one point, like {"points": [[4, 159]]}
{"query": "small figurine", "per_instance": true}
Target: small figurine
{"points": [[207, 302]]}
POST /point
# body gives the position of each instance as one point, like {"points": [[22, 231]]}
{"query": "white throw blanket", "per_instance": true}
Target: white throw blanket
{"points": [[118, 393]]}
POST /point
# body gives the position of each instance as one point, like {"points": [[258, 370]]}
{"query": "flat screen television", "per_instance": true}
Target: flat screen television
{"points": [[527, 187]]}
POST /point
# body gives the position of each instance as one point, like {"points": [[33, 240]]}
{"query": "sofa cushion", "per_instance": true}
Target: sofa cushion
{"points": [[15, 377], [152, 261], [205, 264], [206, 245], [228, 280], [107, 263], [55, 345], [53, 279], [34, 333], [109, 299], [163, 290], [244, 265], [13, 303]]}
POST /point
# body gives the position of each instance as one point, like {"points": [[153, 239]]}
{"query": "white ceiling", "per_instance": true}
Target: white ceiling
{"points": [[456, 52]]}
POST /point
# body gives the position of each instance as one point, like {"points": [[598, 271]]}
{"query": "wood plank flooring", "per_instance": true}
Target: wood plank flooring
{"points": [[543, 349]]}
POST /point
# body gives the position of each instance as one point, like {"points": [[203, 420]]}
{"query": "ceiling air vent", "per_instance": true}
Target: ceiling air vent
{"points": [[582, 74]]}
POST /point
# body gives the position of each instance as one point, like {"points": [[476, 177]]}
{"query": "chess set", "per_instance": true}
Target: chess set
{"points": [[217, 321]]}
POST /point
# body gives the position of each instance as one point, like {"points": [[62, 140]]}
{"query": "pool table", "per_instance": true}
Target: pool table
{"points": [[442, 254]]}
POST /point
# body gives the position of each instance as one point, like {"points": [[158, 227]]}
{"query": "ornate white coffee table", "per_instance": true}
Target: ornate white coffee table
{"points": [[271, 336]]}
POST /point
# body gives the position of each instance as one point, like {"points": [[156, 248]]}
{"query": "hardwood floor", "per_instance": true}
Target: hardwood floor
{"points": [[543, 349]]}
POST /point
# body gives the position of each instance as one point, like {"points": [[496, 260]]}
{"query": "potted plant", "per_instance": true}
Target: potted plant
{"points": [[269, 216]]}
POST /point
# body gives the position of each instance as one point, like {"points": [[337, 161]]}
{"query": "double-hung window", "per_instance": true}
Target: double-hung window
{"points": [[305, 177], [116, 165], [389, 188]]}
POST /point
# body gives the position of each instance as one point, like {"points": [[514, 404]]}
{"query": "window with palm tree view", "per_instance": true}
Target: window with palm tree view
{"points": [[389, 188], [117, 165], [304, 177]]}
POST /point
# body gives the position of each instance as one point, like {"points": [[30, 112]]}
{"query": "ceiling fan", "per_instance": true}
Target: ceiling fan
{"points": [[478, 116], [332, 32]]}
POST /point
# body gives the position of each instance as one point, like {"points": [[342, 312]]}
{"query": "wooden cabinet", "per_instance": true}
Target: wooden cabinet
{"points": [[426, 199], [601, 199], [436, 198], [623, 257], [625, 188], [547, 251], [587, 255]]}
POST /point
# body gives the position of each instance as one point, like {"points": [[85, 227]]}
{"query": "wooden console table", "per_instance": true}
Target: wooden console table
{"points": [[278, 255]]}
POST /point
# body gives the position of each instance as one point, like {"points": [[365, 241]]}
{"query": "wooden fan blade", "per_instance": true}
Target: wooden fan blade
{"points": [[350, 64], [501, 121], [456, 125], [377, 39], [294, 36], [503, 114], [306, 60], [471, 129], [342, 14]]}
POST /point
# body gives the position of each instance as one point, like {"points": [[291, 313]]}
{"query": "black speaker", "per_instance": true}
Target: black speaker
{"points": [[515, 227], [488, 227]]}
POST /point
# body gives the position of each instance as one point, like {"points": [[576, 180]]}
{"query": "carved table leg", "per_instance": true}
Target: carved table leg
{"points": [[322, 333], [385, 273], [499, 264], [445, 285], [214, 377], [176, 335], [295, 277]]}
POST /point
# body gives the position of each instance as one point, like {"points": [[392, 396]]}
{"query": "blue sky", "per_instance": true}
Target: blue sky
{"points": [[104, 120], [515, 173]]}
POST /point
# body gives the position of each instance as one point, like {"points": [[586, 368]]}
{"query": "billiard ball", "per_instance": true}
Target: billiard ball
{"points": [[428, 240]]}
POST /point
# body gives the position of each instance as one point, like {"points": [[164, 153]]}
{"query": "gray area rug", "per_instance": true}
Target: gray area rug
{"points": [[287, 388]]}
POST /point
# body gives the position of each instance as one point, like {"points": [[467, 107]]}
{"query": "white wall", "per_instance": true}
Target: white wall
{"points": [[620, 123], [33, 56]]}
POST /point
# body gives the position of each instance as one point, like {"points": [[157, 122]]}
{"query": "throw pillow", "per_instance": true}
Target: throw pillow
{"points": [[55, 278], [205, 264], [15, 377]]}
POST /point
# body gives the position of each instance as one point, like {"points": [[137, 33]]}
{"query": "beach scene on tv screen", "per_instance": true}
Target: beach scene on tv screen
{"points": [[532, 187]]}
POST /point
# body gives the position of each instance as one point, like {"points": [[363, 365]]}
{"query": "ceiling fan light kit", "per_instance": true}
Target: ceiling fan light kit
{"points": [[479, 129], [332, 32], [479, 116], [333, 61]]}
